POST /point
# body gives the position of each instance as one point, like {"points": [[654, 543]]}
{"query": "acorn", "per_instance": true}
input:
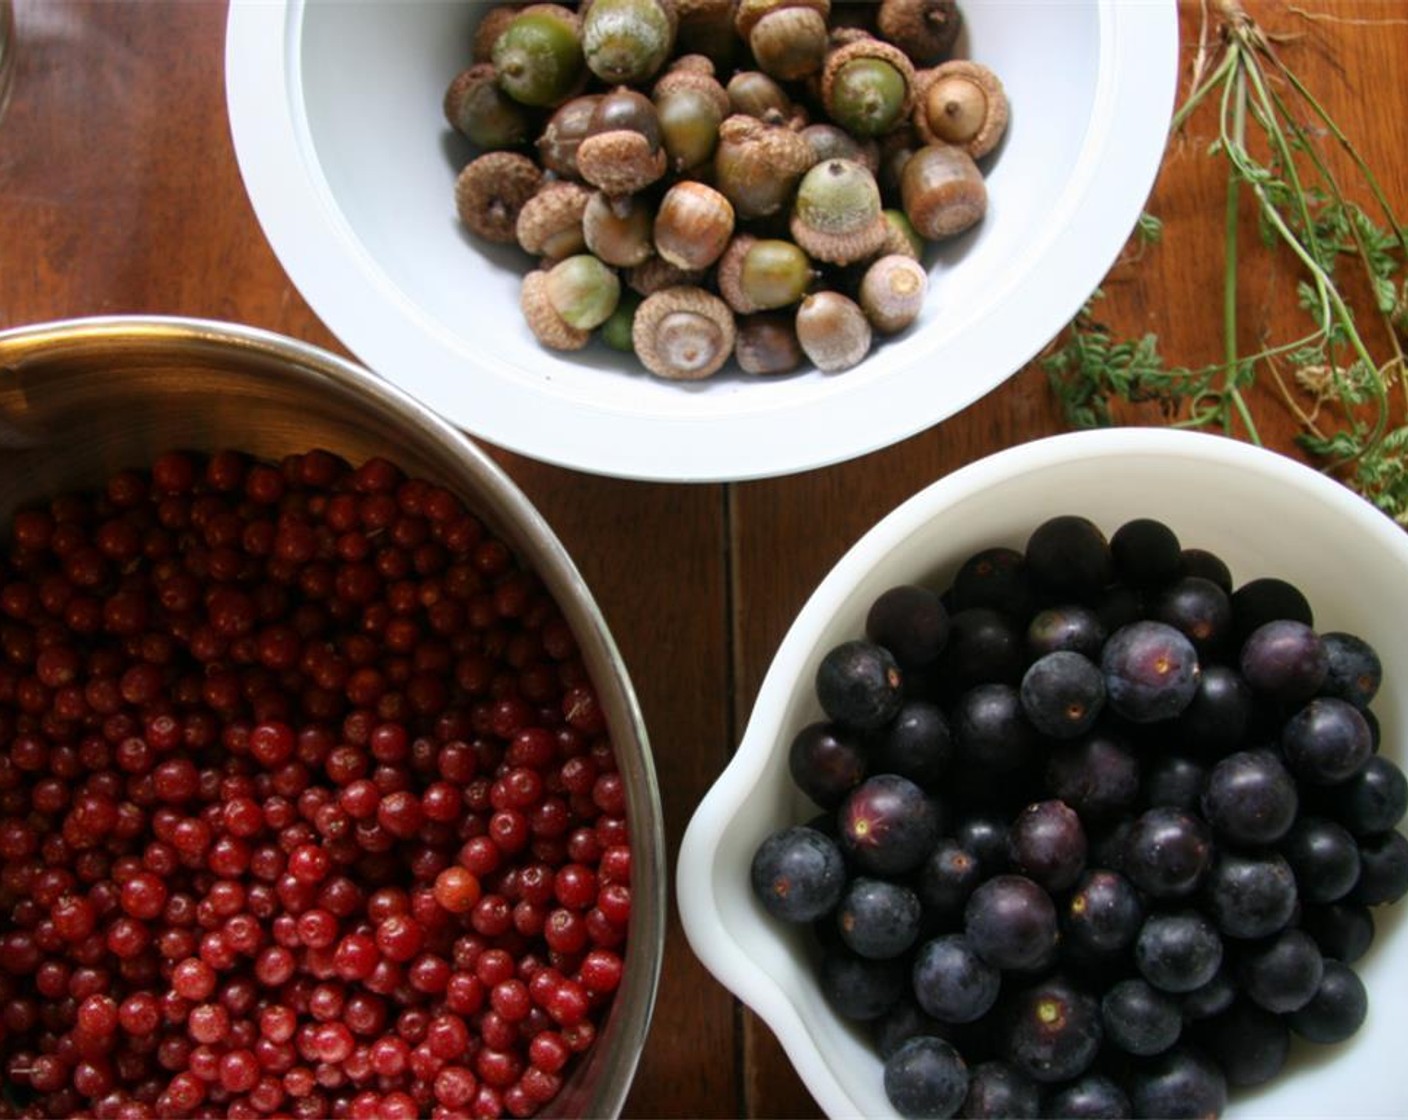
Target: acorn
{"points": [[706, 27], [550, 223], [616, 331], [787, 38], [622, 152], [762, 274], [925, 30], [626, 42], [961, 103], [943, 191], [538, 56], [479, 110], [758, 165], [490, 192], [892, 292], [564, 133], [767, 344], [754, 94], [830, 141], [565, 303], [619, 233], [683, 333], [836, 215], [901, 239], [693, 225], [867, 86], [691, 104], [832, 331], [491, 25]]}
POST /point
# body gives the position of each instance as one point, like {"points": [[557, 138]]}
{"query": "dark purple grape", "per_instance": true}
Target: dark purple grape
{"points": [[946, 879], [826, 761], [1151, 671], [1103, 914], [951, 982], [1326, 741], [1217, 718], [1011, 922], [997, 578], [1198, 609], [887, 825], [1354, 671], [878, 918], [1167, 852], [1282, 974], [859, 988], [1250, 895], [1071, 627], [903, 1021], [990, 729], [1207, 565], [798, 874], [1179, 1084], [1118, 605], [1343, 930], [1140, 1018], [1284, 660], [998, 1090], [1336, 1011], [984, 834], [1062, 694], [911, 622], [1383, 869], [1251, 1043], [926, 1078], [1212, 998], [1324, 857], [1250, 798], [1046, 843], [1068, 557], [1096, 775], [917, 744], [1177, 951], [1267, 599], [1373, 799], [1052, 1030], [859, 684], [984, 647], [1146, 552], [1093, 1096], [1174, 781]]}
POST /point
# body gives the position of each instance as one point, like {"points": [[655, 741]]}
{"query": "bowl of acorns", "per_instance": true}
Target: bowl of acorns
{"points": [[1076, 789], [698, 239]]}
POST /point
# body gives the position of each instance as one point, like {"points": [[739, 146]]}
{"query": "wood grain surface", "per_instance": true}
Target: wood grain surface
{"points": [[119, 192]]}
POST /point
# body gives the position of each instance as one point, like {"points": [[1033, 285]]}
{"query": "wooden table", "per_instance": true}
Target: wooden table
{"points": [[119, 193]]}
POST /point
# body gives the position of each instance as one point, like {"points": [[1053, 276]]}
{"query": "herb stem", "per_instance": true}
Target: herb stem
{"points": [[1236, 93]]}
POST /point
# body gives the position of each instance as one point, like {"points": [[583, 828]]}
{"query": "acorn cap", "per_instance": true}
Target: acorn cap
{"points": [[683, 333], [836, 215], [926, 30], [729, 274], [620, 162], [550, 223], [548, 327], [656, 274], [963, 103], [490, 192]]}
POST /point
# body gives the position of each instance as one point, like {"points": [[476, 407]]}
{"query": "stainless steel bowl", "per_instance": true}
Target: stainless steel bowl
{"points": [[83, 398]]}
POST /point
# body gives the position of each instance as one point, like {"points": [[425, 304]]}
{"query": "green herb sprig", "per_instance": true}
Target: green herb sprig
{"points": [[1341, 394]]}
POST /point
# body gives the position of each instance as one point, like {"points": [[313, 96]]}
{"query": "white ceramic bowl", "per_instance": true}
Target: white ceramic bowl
{"points": [[1263, 513], [335, 110]]}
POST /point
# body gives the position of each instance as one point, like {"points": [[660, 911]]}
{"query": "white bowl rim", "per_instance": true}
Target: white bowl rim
{"points": [[375, 319], [712, 941]]}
